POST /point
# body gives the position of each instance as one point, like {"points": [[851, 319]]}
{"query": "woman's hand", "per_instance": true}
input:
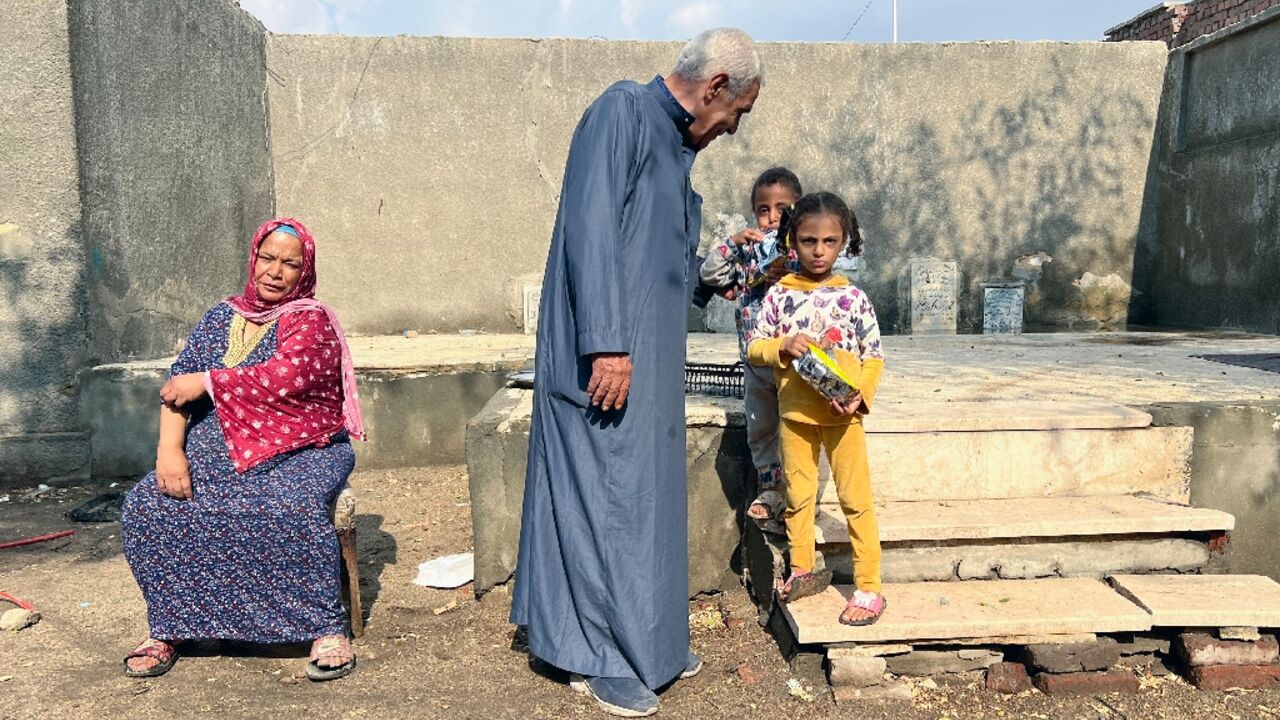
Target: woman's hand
{"points": [[173, 474], [746, 237], [795, 346], [183, 389], [848, 407]]}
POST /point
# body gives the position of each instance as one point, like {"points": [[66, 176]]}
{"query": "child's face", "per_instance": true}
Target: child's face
{"points": [[819, 239], [769, 203]]}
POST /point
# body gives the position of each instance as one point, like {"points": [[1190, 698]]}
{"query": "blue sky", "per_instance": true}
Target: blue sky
{"points": [[781, 20]]}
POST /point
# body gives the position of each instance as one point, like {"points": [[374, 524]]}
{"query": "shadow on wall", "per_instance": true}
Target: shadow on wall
{"points": [[1013, 182], [44, 305]]}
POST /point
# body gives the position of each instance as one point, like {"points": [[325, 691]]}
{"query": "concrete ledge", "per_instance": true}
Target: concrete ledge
{"points": [[414, 418], [1029, 559], [1010, 464], [497, 447], [1235, 467], [1026, 517], [938, 611], [990, 415], [43, 458]]}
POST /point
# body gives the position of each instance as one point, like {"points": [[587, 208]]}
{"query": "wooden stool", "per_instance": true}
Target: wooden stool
{"points": [[344, 521]]}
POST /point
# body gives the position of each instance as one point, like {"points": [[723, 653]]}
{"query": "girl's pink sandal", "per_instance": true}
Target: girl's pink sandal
{"points": [[872, 602]]}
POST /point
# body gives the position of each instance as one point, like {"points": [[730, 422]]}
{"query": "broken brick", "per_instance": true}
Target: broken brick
{"points": [[1087, 683], [1008, 678], [1228, 677], [1202, 649]]}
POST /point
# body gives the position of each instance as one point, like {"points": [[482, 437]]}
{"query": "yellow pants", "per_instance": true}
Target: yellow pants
{"points": [[847, 452]]}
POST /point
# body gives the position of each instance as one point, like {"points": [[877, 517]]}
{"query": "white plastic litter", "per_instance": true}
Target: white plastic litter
{"points": [[450, 571]]}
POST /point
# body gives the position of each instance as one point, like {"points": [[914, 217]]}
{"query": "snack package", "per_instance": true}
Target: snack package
{"points": [[765, 254], [823, 374]]}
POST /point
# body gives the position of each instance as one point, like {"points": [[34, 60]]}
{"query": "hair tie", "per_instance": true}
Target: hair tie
{"points": [[287, 230]]}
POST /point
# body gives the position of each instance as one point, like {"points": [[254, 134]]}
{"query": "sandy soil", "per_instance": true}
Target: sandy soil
{"points": [[414, 662]]}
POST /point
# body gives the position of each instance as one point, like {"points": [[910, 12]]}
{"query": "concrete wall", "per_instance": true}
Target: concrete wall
{"points": [[431, 166], [1235, 467], [1211, 240], [175, 164], [414, 419], [42, 326]]}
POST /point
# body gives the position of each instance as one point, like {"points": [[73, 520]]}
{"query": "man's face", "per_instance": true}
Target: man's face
{"points": [[717, 112]]}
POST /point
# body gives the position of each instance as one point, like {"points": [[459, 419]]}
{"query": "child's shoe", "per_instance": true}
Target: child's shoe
{"points": [[803, 585]]}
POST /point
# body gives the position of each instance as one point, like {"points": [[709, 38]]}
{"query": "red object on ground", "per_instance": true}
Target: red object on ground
{"points": [[18, 601], [36, 539]]}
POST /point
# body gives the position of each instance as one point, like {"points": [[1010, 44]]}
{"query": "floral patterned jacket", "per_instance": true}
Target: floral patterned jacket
{"points": [[833, 312]]}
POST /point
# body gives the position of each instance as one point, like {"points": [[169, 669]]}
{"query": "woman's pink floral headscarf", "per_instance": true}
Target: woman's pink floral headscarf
{"points": [[298, 397]]}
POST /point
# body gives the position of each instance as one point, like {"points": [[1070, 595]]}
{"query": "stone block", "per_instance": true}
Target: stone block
{"points": [[1029, 560], [1202, 649], [1008, 678], [1248, 634], [1231, 677], [1074, 657], [1087, 683], [855, 650], [893, 692], [937, 612], [943, 662], [1144, 645], [852, 671]]}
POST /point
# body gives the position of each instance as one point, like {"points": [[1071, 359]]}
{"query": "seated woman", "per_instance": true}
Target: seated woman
{"points": [[230, 538]]}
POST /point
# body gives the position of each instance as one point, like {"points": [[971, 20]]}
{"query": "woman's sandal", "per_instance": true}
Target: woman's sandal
{"points": [[327, 647], [802, 585], [872, 602], [162, 652]]}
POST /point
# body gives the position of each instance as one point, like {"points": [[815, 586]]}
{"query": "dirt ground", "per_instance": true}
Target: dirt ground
{"points": [[426, 653]]}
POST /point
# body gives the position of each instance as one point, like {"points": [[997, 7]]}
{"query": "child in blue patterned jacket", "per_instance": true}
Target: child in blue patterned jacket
{"points": [[746, 264]]}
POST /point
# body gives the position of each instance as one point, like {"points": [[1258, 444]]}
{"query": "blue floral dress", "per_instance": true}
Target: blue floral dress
{"points": [[253, 556]]}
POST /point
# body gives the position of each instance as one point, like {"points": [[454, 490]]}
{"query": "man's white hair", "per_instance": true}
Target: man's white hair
{"points": [[722, 50]]}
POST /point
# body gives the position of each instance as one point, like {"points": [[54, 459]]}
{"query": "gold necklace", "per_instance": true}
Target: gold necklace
{"points": [[238, 346]]}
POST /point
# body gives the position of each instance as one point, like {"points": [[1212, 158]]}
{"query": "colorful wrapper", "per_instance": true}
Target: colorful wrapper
{"points": [[824, 375]]}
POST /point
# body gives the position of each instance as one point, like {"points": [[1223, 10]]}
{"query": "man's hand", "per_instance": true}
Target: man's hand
{"points": [[610, 380], [746, 237], [183, 389], [728, 293], [795, 346], [173, 474]]}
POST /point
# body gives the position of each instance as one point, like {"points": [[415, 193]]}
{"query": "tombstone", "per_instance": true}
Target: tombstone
{"points": [[722, 315], [1002, 302], [929, 287], [532, 297]]}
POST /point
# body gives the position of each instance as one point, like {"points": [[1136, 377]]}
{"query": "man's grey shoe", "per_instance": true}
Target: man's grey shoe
{"points": [[692, 666], [624, 697]]}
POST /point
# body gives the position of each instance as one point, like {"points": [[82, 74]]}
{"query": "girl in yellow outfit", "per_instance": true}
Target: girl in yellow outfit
{"points": [[815, 306]]}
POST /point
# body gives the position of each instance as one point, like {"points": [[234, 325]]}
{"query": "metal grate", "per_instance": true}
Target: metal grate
{"points": [[713, 379]]}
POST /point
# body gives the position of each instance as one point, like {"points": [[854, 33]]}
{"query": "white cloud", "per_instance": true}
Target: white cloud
{"points": [[305, 17], [629, 13], [695, 17]]}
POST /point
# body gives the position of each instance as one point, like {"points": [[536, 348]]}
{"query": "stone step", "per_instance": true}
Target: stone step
{"points": [[1204, 600], [1041, 517], [942, 611], [1012, 463], [996, 415]]}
